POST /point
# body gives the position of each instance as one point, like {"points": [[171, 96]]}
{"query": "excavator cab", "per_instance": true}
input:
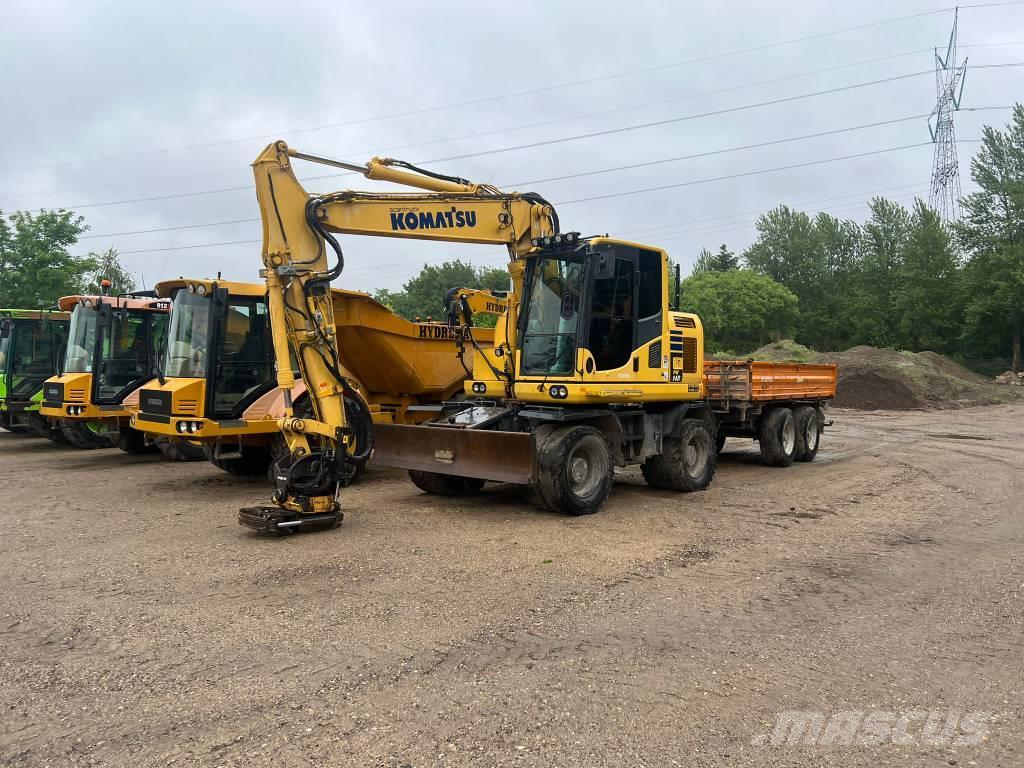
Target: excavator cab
{"points": [[595, 326]]}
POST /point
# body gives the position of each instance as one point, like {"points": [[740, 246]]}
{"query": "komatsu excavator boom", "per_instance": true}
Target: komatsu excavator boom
{"points": [[298, 271]]}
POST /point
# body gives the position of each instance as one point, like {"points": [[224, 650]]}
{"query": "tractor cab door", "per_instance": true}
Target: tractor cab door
{"points": [[244, 368]]}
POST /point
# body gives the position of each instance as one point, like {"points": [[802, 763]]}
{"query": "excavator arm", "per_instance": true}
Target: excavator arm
{"points": [[298, 249]]}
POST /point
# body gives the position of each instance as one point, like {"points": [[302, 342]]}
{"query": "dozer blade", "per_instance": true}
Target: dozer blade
{"points": [[506, 457], [268, 519]]}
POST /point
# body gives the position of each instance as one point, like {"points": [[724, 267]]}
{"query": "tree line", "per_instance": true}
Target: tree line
{"points": [[901, 279], [37, 267]]}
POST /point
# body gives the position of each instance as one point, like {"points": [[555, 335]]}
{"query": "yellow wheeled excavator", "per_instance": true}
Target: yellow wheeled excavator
{"points": [[589, 367]]}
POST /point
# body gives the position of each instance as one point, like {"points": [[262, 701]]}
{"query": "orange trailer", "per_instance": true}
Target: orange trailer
{"points": [[777, 404]]}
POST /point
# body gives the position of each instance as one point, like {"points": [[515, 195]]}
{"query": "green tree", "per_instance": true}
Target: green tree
{"points": [[722, 261], [790, 250], [991, 232], [741, 310], [108, 267], [36, 267], [423, 295], [886, 234], [927, 301]]}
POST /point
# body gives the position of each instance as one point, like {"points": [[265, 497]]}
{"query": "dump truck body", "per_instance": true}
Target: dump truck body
{"points": [[778, 404]]}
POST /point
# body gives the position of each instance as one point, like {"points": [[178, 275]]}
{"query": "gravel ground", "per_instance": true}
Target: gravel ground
{"points": [[141, 626]]}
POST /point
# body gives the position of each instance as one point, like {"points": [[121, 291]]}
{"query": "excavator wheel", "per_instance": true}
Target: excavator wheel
{"points": [[574, 471], [686, 463], [134, 442], [267, 519], [83, 435], [445, 485], [176, 449]]}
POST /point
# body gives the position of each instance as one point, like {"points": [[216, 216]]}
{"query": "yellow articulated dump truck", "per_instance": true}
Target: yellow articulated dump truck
{"points": [[216, 381], [110, 353]]}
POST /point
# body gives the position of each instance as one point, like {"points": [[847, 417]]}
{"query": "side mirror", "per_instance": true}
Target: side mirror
{"points": [[605, 264]]}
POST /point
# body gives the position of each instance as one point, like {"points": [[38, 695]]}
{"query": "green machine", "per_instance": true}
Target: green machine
{"points": [[32, 342]]}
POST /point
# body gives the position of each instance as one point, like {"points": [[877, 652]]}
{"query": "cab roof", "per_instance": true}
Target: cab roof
{"points": [[68, 303]]}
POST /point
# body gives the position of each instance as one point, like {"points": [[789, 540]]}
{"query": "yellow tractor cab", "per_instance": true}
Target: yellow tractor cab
{"points": [[110, 354]]}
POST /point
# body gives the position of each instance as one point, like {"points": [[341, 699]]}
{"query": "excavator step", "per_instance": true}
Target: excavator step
{"points": [[266, 519]]}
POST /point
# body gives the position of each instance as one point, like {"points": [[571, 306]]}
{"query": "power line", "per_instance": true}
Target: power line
{"points": [[619, 194], [562, 140], [743, 174], [660, 161], [514, 94], [526, 126]]}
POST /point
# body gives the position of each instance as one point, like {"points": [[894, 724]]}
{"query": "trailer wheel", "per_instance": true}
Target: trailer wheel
{"points": [[177, 449], [686, 463], [134, 442], [777, 436], [574, 471], [445, 485], [83, 435], [808, 432]]}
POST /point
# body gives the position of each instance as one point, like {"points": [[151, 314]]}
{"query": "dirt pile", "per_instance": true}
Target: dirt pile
{"points": [[873, 378], [1011, 378]]}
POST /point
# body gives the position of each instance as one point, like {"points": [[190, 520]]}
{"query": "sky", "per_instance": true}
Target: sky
{"points": [[146, 116]]}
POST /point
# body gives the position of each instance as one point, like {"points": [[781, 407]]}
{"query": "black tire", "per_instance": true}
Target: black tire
{"points": [[78, 434], [719, 443], [445, 485], [687, 462], [574, 470], [177, 449], [134, 442], [40, 426], [808, 432], [777, 437], [5, 423], [255, 460]]}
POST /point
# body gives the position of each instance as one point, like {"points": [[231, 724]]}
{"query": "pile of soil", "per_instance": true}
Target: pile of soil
{"points": [[873, 378]]}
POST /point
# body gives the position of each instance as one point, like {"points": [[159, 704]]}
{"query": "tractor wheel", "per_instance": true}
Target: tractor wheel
{"points": [[5, 423], [134, 442], [445, 485], [808, 432], [255, 461], [686, 463], [777, 436], [177, 449], [574, 470], [84, 435]]}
